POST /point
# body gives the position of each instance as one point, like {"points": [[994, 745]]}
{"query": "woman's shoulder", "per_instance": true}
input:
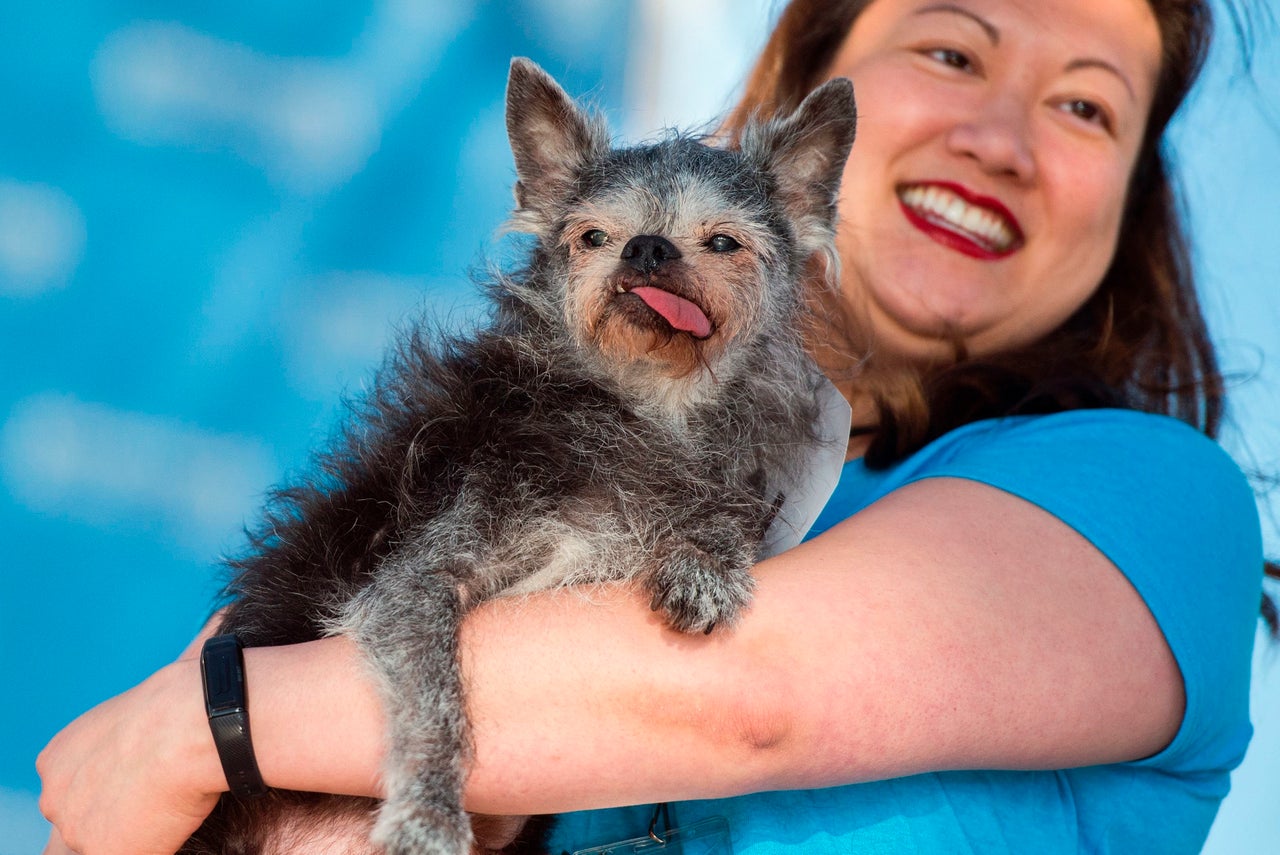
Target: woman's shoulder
{"points": [[1107, 433], [1154, 494], [1080, 462], [1108, 454], [1127, 480]]}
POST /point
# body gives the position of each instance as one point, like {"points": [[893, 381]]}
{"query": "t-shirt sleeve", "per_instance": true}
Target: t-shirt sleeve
{"points": [[1176, 515]]}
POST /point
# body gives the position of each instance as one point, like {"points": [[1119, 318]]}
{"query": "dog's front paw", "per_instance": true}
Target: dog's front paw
{"points": [[423, 829], [696, 591]]}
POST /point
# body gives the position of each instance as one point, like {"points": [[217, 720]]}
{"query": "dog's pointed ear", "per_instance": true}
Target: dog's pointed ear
{"points": [[807, 150], [552, 139]]}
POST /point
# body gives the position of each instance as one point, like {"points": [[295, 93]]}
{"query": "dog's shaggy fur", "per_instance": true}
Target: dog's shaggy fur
{"points": [[640, 381]]}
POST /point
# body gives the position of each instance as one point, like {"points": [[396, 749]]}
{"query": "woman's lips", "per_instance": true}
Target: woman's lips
{"points": [[977, 226]]}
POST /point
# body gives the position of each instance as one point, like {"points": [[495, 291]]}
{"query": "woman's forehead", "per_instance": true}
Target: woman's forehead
{"points": [[1119, 34]]}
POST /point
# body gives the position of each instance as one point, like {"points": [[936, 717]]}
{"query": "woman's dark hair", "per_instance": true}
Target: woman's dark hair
{"points": [[1140, 341]]}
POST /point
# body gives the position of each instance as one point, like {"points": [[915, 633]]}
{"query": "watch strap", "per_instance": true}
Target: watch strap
{"points": [[226, 702]]}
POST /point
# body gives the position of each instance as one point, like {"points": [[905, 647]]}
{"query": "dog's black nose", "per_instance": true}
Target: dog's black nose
{"points": [[647, 253]]}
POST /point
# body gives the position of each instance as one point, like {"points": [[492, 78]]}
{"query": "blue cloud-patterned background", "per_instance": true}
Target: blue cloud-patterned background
{"points": [[213, 217]]}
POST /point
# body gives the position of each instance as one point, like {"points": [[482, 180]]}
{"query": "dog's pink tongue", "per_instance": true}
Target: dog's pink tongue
{"points": [[679, 312]]}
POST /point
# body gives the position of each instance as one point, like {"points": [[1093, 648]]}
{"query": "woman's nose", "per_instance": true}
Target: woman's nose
{"points": [[998, 138]]}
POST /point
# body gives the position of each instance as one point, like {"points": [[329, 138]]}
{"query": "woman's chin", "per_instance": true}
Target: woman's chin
{"points": [[918, 333]]}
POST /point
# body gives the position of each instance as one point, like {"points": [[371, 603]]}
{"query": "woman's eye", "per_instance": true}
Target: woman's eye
{"points": [[1088, 111], [722, 243], [595, 237], [950, 57]]}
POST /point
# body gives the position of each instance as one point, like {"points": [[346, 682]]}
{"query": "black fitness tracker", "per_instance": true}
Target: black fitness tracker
{"points": [[222, 671]]}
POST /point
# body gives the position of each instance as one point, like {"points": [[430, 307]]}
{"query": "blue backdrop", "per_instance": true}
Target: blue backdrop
{"points": [[213, 216]]}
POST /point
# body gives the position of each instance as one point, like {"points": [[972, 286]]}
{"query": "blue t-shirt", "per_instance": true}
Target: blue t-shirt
{"points": [[1174, 513]]}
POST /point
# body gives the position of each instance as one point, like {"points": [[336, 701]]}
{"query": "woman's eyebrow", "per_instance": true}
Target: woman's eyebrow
{"points": [[994, 35], [987, 26], [1076, 64]]}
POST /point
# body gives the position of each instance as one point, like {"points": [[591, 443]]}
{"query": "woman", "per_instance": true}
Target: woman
{"points": [[1069, 595]]}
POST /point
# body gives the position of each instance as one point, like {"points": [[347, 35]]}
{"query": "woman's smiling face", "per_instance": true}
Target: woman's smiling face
{"points": [[995, 141]]}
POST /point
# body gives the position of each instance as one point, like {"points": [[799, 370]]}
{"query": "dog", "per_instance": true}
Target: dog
{"points": [[620, 418]]}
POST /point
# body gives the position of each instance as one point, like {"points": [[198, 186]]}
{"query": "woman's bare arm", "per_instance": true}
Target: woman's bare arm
{"points": [[950, 625]]}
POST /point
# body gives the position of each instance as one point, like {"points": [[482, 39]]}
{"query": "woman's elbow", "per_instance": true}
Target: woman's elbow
{"points": [[749, 726]]}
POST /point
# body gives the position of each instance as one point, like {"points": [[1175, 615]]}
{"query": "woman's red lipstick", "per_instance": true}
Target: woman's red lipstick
{"points": [[993, 235]]}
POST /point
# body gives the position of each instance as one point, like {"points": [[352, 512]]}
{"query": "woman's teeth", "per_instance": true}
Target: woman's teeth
{"points": [[945, 208]]}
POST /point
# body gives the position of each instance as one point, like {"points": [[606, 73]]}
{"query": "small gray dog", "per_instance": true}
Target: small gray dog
{"points": [[641, 381]]}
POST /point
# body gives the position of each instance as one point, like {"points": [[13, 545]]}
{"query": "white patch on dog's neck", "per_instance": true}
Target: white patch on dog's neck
{"points": [[666, 399]]}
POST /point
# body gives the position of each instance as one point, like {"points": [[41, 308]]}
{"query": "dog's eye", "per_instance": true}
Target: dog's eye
{"points": [[722, 243], [595, 237]]}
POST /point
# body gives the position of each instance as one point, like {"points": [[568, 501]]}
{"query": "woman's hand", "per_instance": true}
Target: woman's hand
{"points": [[135, 775]]}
